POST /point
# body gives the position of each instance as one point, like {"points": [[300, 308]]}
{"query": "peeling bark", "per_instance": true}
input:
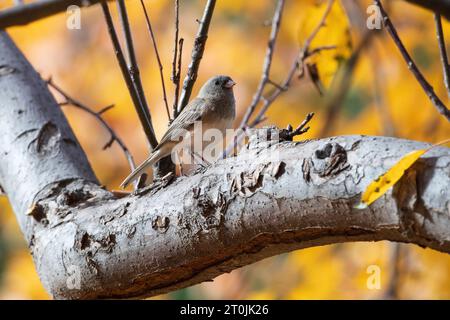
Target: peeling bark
{"points": [[275, 196]]}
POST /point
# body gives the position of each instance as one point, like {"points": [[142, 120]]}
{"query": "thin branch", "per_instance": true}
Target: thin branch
{"points": [[289, 133], [276, 23], [267, 102], [98, 115], [440, 106], [387, 123], [342, 85], [174, 78], [443, 51], [155, 46], [392, 291], [133, 67], [122, 9], [177, 79], [320, 49], [298, 64], [143, 113], [303, 54], [197, 54]]}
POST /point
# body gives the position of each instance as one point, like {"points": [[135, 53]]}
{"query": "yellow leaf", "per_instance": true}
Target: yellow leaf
{"points": [[335, 33], [384, 182]]}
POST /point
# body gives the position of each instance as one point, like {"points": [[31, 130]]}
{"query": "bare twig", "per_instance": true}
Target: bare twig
{"points": [[342, 85], [392, 291], [98, 115], [152, 35], [320, 49], [144, 114], [177, 79], [276, 23], [267, 102], [197, 54], [387, 123], [289, 133], [440, 106], [174, 78], [303, 54], [305, 51], [133, 67], [443, 51]]}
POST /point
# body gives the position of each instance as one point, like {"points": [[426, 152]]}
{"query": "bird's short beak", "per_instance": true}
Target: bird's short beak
{"points": [[230, 84]]}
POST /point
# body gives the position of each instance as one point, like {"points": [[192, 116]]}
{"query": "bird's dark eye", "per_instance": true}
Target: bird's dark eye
{"points": [[216, 83]]}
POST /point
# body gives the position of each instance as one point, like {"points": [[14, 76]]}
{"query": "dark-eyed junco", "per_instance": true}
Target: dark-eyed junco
{"points": [[214, 107]]}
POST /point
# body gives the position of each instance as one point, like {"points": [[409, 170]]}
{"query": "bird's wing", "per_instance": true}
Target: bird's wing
{"points": [[185, 120]]}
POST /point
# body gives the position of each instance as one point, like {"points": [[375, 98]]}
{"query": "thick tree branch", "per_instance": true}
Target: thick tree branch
{"points": [[26, 13], [46, 150]]}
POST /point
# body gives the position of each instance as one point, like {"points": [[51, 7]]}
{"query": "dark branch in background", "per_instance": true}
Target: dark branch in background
{"points": [[152, 35], [176, 80], [133, 67], [276, 23], [440, 6], [175, 77], [197, 54], [26, 13], [144, 114], [440, 106], [342, 85], [68, 100], [392, 292], [387, 123], [443, 51]]}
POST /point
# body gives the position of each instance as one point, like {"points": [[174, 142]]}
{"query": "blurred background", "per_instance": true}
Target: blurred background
{"points": [[383, 98]]}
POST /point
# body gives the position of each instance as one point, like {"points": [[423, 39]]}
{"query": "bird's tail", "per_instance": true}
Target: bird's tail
{"points": [[154, 157]]}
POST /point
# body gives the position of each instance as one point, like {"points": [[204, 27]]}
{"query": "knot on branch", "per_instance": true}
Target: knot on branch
{"points": [[61, 199], [330, 160]]}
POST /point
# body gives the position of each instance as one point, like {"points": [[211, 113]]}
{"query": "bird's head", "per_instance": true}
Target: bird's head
{"points": [[217, 87]]}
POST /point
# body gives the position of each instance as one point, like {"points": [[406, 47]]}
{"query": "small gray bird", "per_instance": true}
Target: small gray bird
{"points": [[214, 107]]}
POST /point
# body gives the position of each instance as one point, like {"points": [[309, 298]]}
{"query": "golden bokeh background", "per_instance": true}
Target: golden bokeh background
{"points": [[83, 63]]}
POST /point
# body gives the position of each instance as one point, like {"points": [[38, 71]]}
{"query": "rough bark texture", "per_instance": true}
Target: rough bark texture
{"points": [[274, 197], [38, 148]]}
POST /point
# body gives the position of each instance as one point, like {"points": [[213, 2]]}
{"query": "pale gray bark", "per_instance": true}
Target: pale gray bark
{"points": [[272, 198]]}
